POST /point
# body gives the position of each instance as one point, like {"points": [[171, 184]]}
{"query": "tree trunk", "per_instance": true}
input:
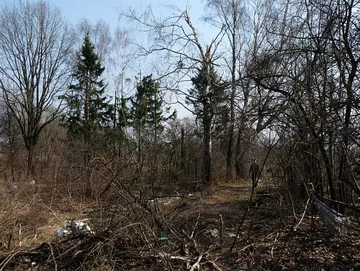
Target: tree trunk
{"points": [[343, 176], [239, 163], [229, 155], [30, 166], [182, 149], [206, 176], [206, 156]]}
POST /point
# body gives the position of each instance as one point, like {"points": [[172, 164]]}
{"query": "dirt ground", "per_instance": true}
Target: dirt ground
{"points": [[263, 234], [216, 228], [266, 239]]}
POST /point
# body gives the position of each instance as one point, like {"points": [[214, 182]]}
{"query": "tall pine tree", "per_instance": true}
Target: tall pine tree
{"points": [[148, 113], [88, 107], [207, 97]]}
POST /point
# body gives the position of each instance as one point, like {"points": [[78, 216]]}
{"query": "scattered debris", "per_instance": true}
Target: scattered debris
{"points": [[74, 227], [214, 232], [335, 222], [266, 241]]}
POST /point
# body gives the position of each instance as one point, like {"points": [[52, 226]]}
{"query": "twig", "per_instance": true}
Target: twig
{"points": [[197, 264], [245, 247], [53, 257], [221, 229], [302, 216], [272, 248], [8, 259], [214, 265], [194, 228], [172, 257]]}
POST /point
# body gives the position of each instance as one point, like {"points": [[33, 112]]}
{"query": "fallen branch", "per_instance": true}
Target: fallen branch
{"points": [[197, 264], [214, 265], [302, 217]]}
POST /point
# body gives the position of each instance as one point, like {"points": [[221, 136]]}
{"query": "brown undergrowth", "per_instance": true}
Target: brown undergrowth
{"points": [[177, 228]]}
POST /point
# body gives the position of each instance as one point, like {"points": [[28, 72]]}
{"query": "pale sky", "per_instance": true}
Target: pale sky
{"points": [[108, 11]]}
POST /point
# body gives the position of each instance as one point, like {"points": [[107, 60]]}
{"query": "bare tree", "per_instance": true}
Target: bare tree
{"points": [[176, 40], [119, 64], [10, 142], [230, 15], [313, 67], [34, 46], [100, 35], [345, 47]]}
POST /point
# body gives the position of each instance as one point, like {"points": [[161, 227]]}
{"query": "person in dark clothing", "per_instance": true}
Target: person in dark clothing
{"points": [[254, 172]]}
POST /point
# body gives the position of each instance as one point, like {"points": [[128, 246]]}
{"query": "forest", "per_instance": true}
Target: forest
{"points": [[146, 134]]}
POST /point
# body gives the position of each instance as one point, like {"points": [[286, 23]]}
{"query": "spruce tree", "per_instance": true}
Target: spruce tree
{"points": [[148, 112], [207, 97], [88, 107], [120, 116]]}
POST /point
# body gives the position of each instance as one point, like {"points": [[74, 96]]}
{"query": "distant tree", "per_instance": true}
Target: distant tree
{"points": [[89, 112], [320, 93], [115, 135], [100, 37], [183, 151], [88, 106], [229, 15], [148, 112], [10, 141], [178, 40], [206, 97], [34, 47]]}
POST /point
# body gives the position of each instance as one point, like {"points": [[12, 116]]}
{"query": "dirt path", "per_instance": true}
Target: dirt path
{"points": [[266, 240]]}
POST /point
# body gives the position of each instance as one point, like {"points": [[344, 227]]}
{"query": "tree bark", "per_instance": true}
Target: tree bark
{"points": [[229, 155], [206, 176]]}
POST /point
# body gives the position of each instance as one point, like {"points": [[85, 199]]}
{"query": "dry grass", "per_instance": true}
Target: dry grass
{"points": [[228, 192], [198, 226], [28, 216]]}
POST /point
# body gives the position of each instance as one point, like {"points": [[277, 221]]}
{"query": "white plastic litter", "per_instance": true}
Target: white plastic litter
{"points": [[214, 232], [74, 227], [335, 222]]}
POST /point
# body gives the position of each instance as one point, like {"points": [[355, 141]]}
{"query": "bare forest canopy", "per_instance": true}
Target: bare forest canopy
{"points": [[161, 107]]}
